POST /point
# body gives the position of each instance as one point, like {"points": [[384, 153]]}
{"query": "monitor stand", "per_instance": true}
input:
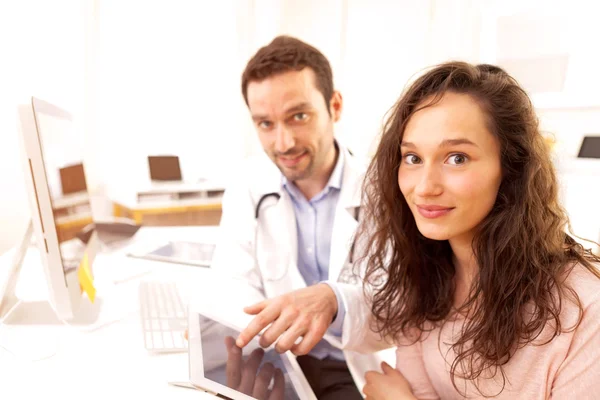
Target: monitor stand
{"points": [[29, 343], [9, 301], [41, 313], [32, 330], [14, 311]]}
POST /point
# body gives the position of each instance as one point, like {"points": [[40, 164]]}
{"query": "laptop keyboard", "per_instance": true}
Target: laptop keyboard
{"points": [[163, 317]]}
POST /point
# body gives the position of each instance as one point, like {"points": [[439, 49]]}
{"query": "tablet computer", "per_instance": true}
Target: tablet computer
{"points": [[221, 368], [179, 252]]}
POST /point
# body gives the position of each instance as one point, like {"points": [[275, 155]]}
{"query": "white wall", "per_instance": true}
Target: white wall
{"points": [[167, 82], [579, 178], [168, 73], [42, 51], [529, 38], [14, 209], [163, 77], [387, 44]]}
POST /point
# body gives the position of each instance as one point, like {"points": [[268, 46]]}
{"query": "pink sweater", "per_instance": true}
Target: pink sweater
{"points": [[566, 368]]}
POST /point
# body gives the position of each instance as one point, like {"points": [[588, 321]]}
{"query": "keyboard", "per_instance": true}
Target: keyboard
{"points": [[163, 317]]}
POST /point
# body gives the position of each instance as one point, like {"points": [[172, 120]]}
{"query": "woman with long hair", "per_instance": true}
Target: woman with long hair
{"points": [[469, 269]]}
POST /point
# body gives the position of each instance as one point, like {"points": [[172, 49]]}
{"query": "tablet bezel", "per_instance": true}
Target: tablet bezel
{"points": [[196, 363], [146, 253]]}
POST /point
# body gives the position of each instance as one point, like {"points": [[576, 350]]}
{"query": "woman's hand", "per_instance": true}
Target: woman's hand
{"points": [[389, 385]]}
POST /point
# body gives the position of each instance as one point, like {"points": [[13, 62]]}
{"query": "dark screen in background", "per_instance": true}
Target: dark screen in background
{"points": [[590, 147], [164, 168]]}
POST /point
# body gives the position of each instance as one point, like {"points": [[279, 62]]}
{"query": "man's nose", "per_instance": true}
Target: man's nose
{"points": [[284, 139]]}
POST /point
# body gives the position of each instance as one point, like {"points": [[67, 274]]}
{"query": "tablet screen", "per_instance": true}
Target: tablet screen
{"points": [[191, 251], [181, 252], [260, 373]]}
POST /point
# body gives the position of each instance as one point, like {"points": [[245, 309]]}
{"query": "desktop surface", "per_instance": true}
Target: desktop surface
{"points": [[109, 361]]}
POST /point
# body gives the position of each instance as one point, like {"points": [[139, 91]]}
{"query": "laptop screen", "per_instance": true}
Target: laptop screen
{"points": [[260, 373], [164, 168], [590, 147]]}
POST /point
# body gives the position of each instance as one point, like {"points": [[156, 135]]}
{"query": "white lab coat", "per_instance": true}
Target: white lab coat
{"points": [[263, 252]]}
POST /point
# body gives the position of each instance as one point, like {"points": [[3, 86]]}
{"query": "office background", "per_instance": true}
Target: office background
{"points": [[163, 77]]}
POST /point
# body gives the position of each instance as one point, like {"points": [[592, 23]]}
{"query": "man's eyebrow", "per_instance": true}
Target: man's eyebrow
{"points": [[293, 109], [298, 107], [258, 117]]}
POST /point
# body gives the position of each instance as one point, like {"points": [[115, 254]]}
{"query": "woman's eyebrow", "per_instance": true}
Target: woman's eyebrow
{"points": [[444, 143], [456, 142]]}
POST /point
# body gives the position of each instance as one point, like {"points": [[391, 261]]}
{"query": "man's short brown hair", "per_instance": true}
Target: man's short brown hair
{"points": [[284, 54]]}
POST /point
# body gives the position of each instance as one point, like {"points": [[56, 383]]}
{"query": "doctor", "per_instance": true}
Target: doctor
{"points": [[288, 222]]}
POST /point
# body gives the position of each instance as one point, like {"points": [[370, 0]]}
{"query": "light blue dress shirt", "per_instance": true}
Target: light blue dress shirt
{"points": [[314, 224]]}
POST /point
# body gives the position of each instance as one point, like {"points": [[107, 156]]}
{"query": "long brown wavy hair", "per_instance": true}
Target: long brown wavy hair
{"points": [[521, 246]]}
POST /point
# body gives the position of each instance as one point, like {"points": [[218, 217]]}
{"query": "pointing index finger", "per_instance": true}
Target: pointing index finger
{"points": [[261, 321], [256, 308]]}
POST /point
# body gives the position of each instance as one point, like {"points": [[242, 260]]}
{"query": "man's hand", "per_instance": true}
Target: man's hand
{"points": [[389, 385], [245, 377], [306, 313]]}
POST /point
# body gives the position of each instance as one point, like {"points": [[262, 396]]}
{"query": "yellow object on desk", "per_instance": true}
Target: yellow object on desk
{"points": [[86, 280], [550, 142]]}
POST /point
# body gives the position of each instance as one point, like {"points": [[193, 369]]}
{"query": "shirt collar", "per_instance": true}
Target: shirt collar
{"points": [[335, 180]]}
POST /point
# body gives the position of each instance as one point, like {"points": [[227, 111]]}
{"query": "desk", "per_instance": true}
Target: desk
{"points": [[180, 212], [73, 213], [171, 204], [110, 362], [68, 227], [71, 200]]}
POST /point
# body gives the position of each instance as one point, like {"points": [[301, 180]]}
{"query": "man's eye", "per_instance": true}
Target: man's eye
{"points": [[300, 116], [264, 124]]}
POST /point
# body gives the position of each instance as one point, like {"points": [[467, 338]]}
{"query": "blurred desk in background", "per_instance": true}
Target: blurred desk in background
{"points": [[69, 226], [173, 204], [72, 212], [177, 212]]}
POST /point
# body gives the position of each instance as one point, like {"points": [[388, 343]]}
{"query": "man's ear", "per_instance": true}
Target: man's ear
{"points": [[336, 106]]}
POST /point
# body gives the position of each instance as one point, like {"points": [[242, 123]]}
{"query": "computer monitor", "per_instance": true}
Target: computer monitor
{"points": [[49, 144], [590, 147], [72, 179], [164, 168]]}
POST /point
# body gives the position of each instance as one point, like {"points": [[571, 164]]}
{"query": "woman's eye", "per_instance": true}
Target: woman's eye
{"points": [[457, 159], [300, 116], [412, 159]]}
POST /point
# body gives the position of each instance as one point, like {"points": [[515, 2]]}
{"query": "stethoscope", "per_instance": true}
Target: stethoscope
{"points": [[256, 216], [262, 199], [277, 196]]}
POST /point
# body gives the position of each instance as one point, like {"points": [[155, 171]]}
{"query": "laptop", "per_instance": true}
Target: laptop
{"points": [[164, 168], [219, 367], [590, 147]]}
